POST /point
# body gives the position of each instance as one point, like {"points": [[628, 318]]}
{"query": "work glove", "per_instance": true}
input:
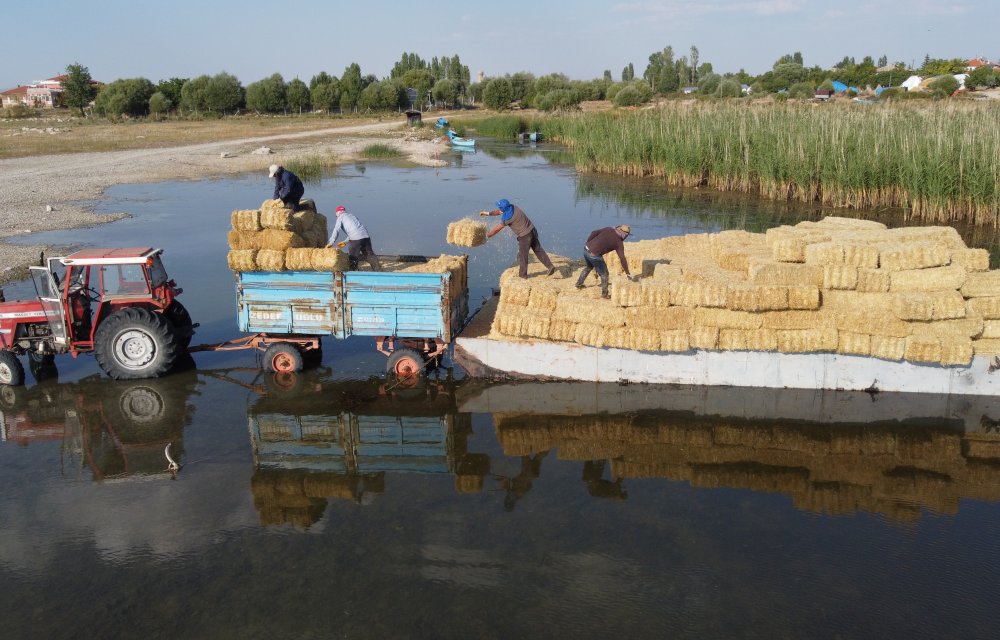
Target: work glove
{"points": [[484, 213]]}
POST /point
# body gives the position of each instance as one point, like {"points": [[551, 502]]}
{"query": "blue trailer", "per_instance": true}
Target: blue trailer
{"points": [[413, 317]]}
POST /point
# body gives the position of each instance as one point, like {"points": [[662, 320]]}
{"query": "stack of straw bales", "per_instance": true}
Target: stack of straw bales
{"points": [[838, 285], [273, 238], [457, 266], [467, 233]]}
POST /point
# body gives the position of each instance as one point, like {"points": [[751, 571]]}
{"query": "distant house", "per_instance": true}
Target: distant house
{"points": [[687, 90], [41, 93], [15, 96]]}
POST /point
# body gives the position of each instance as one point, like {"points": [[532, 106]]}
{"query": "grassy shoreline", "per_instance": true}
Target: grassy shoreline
{"points": [[937, 163]]}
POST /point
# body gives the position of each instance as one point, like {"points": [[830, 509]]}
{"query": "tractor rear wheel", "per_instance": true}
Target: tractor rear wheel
{"points": [[283, 358], [135, 343], [11, 369]]}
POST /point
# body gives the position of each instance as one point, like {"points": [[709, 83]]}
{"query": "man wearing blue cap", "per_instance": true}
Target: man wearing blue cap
{"points": [[527, 235]]}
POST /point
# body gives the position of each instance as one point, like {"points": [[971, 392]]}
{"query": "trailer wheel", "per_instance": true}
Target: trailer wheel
{"points": [[181, 319], [11, 369], [407, 365], [135, 343], [283, 358]]}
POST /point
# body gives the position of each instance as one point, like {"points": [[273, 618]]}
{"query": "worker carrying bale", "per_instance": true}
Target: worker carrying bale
{"points": [[359, 242], [527, 235], [600, 242], [287, 186]]}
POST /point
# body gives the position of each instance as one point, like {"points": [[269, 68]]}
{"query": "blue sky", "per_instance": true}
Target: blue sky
{"points": [[253, 39]]}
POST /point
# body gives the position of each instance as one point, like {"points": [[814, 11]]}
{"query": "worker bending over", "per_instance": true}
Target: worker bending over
{"points": [[600, 242], [359, 243]]}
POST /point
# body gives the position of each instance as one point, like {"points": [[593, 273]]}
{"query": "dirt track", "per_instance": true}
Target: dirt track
{"points": [[29, 187]]}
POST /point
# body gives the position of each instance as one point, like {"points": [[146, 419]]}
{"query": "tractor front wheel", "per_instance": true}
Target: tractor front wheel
{"points": [[136, 343], [283, 358], [11, 369]]}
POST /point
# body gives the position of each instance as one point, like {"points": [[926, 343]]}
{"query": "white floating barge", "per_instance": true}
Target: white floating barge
{"points": [[483, 356]]}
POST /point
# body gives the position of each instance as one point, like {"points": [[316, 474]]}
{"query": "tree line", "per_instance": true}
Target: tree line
{"points": [[446, 82]]}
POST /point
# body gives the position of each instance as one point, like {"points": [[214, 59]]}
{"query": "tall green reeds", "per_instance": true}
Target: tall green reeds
{"points": [[938, 163]]}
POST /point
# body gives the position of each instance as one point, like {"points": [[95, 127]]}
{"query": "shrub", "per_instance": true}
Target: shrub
{"points": [[801, 90], [627, 97], [498, 94], [729, 88], [709, 84], [944, 86], [17, 111], [159, 104]]}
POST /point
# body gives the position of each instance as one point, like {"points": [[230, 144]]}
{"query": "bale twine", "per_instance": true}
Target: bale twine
{"points": [[467, 233]]}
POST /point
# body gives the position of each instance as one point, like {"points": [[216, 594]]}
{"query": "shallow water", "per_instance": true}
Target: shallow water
{"points": [[343, 508]]}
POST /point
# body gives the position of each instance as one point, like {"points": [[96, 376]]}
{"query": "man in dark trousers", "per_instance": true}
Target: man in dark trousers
{"points": [[287, 186], [359, 242], [600, 242], [527, 235]]}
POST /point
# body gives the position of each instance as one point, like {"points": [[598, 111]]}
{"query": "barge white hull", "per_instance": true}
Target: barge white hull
{"points": [[547, 360]]}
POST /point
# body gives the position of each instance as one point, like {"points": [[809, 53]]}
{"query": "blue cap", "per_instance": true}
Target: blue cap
{"points": [[504, 205]]}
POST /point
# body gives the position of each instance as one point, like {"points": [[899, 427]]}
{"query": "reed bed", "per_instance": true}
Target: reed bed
{"points": [[938, 163]]}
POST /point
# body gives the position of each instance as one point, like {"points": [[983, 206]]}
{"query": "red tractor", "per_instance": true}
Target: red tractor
{"points": [[117, 303]]}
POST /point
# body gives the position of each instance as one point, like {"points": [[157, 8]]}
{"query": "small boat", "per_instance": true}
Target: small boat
{"points": [[441, 123], [459, 141]]}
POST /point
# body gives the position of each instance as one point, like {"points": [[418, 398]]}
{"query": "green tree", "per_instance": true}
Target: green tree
{"points": [[728, 88], [445, 92], [223, 93], [326, 95], [607, 76], [944, 86], [387, 95], [421, 81], [709, 84], [983, 76], [268, 95], [171, 89], [320, 78], [802, 90], [522, 84], [407, 62], [193, 94], [159, 104], [350, 87], [125, 97], [78, 87], [498, 94], [628, 73], [297, 95], [940, 67], [693, 79], [660, 73]]}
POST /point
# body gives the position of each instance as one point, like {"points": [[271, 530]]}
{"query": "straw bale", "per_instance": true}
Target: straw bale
{"points": [[922, 348], [824, 253], [277, 218], [732, 250], [986, 346], [677, 340], [516, 293], [982, 284], [270, 260], [643, 339], [788, 249], [245, 220], [947, 236], [467, 233], [625, 293], [839, 276], [968, 327], [727, 319], [303, 220], [932, 305], [748, 339], [276, 240], [655, 295], [666, 319], [915, 255], [806, 340], [854, 343], [542, 298], [299, 259], [521, 324], [242, 259], [329, 259], [873, 280], [840, 222], [702, 337], [971, 259], [320, 226], [797, 320], [991, 329], [784, 274], [562, 330], [590, 334], [665, 272], [956, 352], [803, 297], [947, 278], [987, 307], [698, 294], [888, 347], [860, 255], [588, 310], [243, 240]]}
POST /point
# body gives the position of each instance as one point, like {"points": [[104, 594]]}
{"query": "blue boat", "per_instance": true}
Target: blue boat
{"points": [[459, 141]]}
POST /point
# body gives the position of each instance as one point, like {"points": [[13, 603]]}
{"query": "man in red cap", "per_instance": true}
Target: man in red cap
{"points": [[359, 243], [527, 235]]}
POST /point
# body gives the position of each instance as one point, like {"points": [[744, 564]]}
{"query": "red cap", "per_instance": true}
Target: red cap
{"points": [[341, 209]]}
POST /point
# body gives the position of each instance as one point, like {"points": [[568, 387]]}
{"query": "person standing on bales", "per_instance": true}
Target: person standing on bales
{"points": [[359, 243], [287, 186], [527, 235], [600, 242]]}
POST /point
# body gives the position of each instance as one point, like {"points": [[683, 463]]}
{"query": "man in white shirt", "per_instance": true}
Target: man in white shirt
{"points": [[359, 243]]}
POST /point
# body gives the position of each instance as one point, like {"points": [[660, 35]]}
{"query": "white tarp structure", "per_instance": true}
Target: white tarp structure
{"points": [[911, 83]]}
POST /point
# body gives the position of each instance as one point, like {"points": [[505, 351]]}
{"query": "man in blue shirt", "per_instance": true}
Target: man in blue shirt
{"points": [[527, 236], [287, 186], [359, 243]]}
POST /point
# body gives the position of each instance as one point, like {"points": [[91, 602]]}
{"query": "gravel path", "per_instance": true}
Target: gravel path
{"points": [[42, 193]]}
